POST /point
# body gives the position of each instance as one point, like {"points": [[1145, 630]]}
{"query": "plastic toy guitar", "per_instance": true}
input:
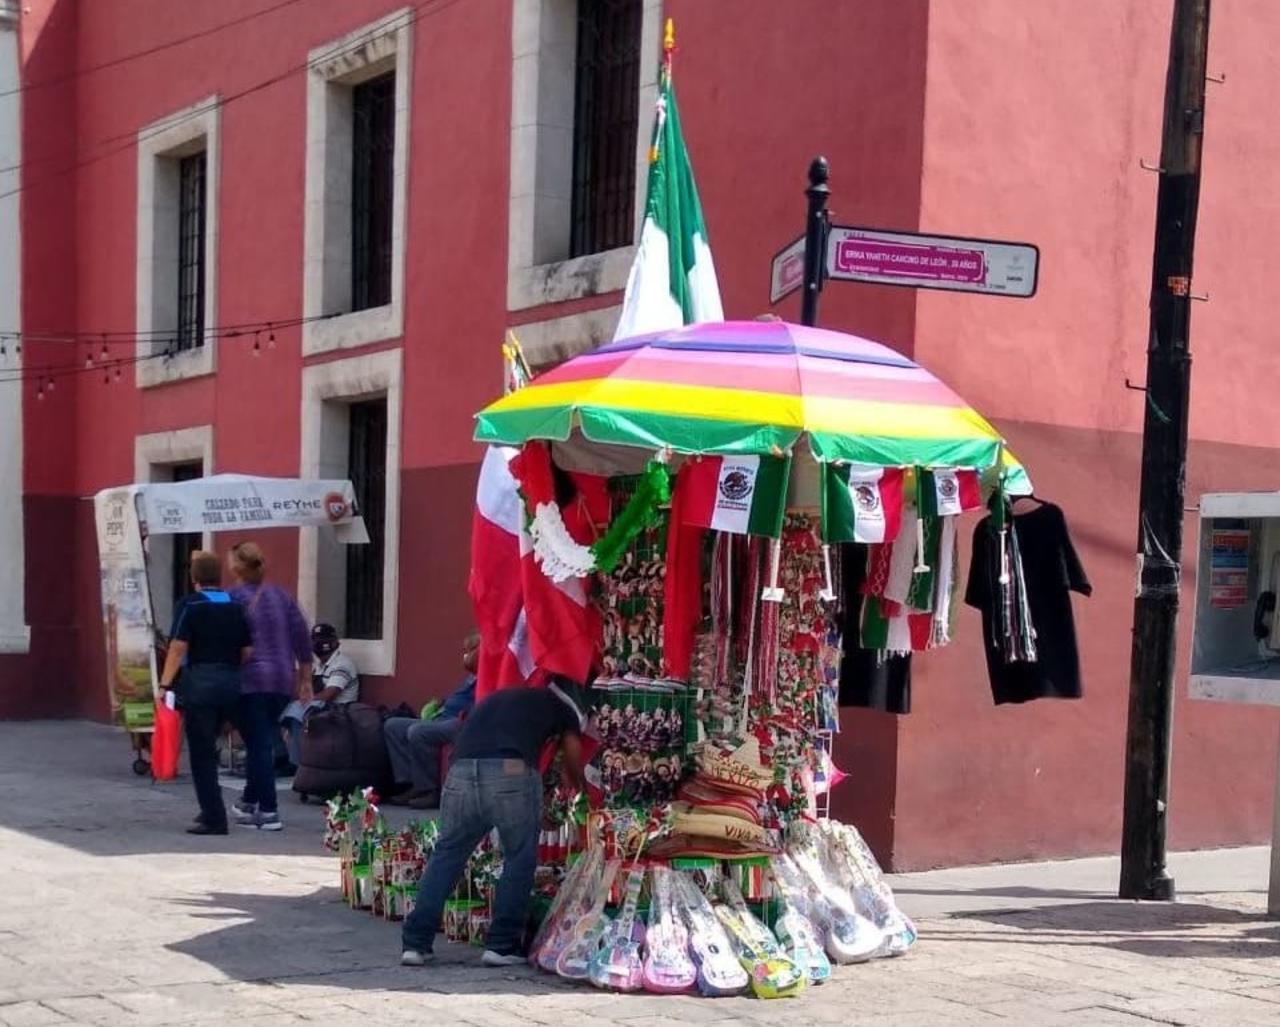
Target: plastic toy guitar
{"points": [[849, 936], [578, 902], [617, 964], [867, 875], [795, 932], [575, 960], [719, 972], [668, 970], [773, 975]]}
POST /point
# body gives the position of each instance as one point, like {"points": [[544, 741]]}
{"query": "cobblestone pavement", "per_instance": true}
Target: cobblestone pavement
{"points": [[113, 915]]}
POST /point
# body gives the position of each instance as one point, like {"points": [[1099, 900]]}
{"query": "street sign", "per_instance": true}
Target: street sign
{"points": [[926, 261], [787, 271]]}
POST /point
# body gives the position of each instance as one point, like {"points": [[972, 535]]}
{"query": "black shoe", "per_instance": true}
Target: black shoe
{"points": [[202, 828]]}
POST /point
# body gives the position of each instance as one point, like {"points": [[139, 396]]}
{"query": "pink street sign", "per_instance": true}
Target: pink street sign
{"points": [[932, 262]]}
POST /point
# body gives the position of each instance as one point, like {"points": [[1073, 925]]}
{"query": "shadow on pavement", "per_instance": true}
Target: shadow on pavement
{"points": [[1177, 930], [315, 939]]}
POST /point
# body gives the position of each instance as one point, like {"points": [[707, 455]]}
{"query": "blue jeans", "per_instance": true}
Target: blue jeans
{"points": [[260, 727], [292, 719], [478, 796]]}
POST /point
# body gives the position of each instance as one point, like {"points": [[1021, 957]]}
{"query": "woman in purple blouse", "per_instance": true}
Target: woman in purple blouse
{"points": [[279, 670]]}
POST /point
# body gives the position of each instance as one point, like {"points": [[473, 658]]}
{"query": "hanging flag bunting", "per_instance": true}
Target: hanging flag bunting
{"points": [[744, 495], [673, 281], [861, 504], [947, 492]]}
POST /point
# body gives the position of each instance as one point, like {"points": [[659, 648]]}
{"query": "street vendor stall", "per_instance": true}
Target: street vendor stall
{"points": [[128, 516], [688, 501]]}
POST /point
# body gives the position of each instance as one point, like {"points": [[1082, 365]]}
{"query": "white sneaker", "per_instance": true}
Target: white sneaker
{"points": [[491, 958], [412, 957], [262, 821]]}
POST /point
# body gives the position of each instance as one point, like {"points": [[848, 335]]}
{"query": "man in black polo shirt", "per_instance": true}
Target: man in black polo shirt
{"points": [[208, 644], [495, 782]]}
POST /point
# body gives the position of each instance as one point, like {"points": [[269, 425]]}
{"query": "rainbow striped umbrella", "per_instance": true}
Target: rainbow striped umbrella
{"points": [[738, 387]]}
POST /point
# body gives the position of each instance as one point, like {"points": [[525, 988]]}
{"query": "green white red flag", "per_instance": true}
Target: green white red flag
{"points": [[673, 280], [861, 504], [745, 495]]}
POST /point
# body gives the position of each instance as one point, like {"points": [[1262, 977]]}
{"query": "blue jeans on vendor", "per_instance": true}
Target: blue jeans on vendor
{"points": [[292, 719], [260, 727], [480, 795]]}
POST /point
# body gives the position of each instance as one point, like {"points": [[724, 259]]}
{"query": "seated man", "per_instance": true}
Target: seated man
{"points": [[334, 679], [414, 744]]}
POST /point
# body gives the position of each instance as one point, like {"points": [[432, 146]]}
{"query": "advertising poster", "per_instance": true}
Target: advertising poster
{"points": [[126, 609], [1229, 566]]}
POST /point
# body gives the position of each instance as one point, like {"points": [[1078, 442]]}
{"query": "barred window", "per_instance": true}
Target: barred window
{"points": [[605, 122], [373, 140], [191, 234], [367, 469]]}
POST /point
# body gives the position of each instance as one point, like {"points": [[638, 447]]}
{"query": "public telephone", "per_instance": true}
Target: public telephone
{"points": [[1236, 639], [1266, 625]]}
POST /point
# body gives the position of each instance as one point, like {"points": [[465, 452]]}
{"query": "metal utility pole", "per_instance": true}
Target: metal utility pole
{"points": [[815, 239], [1143, 874]]}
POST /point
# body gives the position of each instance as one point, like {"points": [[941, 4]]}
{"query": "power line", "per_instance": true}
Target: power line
{"points": [[122, 336], [131, 139], [107, 364], [115, 62]]}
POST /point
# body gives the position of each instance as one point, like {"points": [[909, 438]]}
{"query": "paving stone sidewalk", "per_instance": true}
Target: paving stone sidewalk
{"points": [[112, 915]]}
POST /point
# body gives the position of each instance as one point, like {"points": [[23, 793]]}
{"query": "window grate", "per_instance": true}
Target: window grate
{"points": [[373, 144], [367, 469], [605, 122], [191, 233]]}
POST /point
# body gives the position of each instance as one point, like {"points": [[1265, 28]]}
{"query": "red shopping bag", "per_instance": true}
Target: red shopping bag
{"points": [[166, 743]]}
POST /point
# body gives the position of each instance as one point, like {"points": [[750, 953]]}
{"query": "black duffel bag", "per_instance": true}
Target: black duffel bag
{"points": [[342, 749]]}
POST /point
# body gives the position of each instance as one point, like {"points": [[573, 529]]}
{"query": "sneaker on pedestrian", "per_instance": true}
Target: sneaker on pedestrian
{"points": [[494, 958], [416, 957], [243, 809], [262, 821]]}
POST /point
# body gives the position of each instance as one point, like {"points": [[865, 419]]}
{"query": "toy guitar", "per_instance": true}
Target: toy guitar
{"points": [[668, 970], [579, 898], [866, 871], [795, 932], [575, 960], [773, 975], [850, 937], [838, 860], [719, 972], [617, 964]]}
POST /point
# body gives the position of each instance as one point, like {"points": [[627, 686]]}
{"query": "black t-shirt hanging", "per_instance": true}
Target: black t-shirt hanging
{"points": [[1052, 571]]}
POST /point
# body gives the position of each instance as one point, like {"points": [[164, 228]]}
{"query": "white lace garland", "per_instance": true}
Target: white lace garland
{"points": [[560, 557]]}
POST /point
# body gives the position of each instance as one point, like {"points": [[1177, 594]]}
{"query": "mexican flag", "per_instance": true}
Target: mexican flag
{"points": [[673, 281], [948, 492], [745, 495], [861, 504], [497, 598]]}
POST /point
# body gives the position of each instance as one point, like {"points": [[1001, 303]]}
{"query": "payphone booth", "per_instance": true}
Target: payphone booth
{"points": [[1235, 653]]}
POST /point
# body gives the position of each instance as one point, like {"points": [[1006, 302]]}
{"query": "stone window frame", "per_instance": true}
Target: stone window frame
{"points": [[541, 148], [15, 633], [176, 135], [378, 47], [351, 378], [164, 449]]}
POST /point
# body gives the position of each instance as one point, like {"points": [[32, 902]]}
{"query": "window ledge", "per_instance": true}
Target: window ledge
{"points": [[592, 275], [191, 363], [359, 328], [16, 644], [374, 657]]}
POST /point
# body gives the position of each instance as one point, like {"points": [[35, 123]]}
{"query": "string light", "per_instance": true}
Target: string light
{"points": [[257, 345]]}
